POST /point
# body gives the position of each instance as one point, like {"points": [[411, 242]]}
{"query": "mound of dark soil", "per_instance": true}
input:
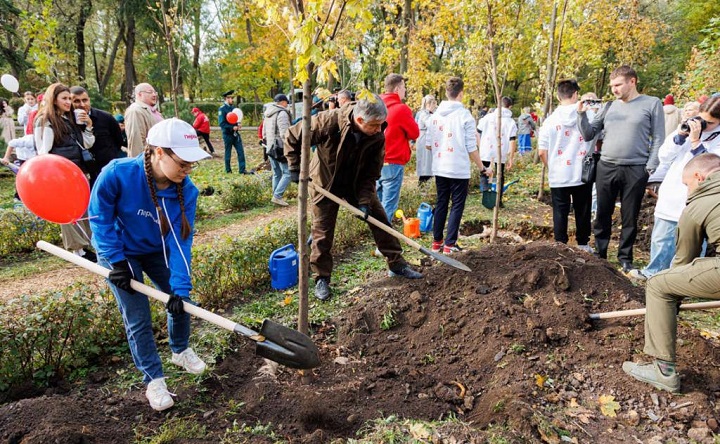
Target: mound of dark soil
{"points": [[509, 343]]}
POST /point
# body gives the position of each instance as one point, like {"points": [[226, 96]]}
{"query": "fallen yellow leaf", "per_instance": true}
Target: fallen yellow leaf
{"points": [[419, 431], [608, 406], [287, 300], [540, 380], [573, 403]]}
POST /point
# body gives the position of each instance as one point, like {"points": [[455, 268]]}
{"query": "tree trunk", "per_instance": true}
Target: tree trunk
{"points": [[304, 252], [85, 10], [406, 21], [548, 86], [130, 76], [103, 81]]}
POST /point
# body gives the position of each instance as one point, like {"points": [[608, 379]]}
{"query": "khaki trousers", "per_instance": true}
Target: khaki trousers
{"points": [[698, 279], [323, 234], [76, 236]]}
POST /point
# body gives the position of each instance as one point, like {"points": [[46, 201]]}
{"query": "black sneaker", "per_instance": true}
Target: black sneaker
{"points": [[90, 255], [322, 289], [405, 271]]}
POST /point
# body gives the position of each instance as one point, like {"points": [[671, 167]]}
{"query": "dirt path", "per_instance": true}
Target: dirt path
{"points": [[66, 276]]}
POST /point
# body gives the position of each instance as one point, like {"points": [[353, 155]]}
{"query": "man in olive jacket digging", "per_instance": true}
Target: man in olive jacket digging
{"points": [[689, 276], [347, 162]]}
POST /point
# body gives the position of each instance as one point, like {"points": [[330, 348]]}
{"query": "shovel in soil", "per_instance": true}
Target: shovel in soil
{"points": [[440, 257], [274, 341], [489, 197]]}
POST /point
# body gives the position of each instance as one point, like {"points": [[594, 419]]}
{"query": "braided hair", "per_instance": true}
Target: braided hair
{"points": [[164, 223]]}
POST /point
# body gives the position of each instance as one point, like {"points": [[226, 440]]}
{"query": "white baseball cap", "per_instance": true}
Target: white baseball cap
{"points": [[180, 137]]}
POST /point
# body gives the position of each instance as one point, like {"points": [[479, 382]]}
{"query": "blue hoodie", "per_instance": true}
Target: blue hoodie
{"points": [[124, 221]]}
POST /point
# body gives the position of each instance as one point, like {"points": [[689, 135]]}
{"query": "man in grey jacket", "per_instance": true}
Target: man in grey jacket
{"points": [[634, 128]]}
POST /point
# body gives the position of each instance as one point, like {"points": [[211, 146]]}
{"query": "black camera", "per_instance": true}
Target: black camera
{"points": [[685, 128], [592, 102]]}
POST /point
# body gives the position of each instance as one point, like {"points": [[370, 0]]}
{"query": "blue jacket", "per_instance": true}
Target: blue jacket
{"points": [[124, 221]]}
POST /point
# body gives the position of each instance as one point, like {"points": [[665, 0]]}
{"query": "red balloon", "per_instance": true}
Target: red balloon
{"points": [[232, 118], [53, 188]]}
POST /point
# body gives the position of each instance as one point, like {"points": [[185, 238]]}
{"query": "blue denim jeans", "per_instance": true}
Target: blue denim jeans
{"points": [[662, 247], [135, 311], [234, 141], [281, 177], [388, 188]]}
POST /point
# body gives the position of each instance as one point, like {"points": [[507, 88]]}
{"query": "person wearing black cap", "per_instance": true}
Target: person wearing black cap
{"points": [[275, 124], [231, 134]]}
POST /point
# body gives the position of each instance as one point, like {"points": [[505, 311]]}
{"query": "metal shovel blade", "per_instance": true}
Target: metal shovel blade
{"points": [[444, 259], [296, 351]]}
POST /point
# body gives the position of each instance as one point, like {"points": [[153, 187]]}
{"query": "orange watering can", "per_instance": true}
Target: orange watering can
{"points": [[411, 225]]}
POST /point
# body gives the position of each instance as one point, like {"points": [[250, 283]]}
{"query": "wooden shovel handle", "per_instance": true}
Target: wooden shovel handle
{"points": [[641, 311]]}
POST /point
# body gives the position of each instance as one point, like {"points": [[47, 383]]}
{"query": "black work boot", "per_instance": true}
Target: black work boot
{"points": [[322, 288]]}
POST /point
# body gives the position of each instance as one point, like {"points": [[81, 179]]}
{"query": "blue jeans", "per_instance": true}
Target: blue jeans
{"points": [[388, 188], [524, 143], [662, 247], [457, 190], [281, 177], [234, 141], [135, 311]]}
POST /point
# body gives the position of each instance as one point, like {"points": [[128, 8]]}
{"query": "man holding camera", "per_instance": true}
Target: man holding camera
{"points": [[634, 129]]}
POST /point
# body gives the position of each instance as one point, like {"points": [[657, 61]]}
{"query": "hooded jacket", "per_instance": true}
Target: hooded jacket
{"points": [[275, 124], [566, 148], [673, 193], [699, 221], [329, 131], [124, 220], [488, 135], [202, 123], [401, 129], [451, 134]]}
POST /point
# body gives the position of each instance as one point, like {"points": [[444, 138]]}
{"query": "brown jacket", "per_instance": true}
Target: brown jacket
{"points": [[329, 130], [138, 121], [699, 220]]}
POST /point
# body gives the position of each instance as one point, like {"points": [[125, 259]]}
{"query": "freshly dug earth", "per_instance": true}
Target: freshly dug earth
{"points": [[508, 348]]}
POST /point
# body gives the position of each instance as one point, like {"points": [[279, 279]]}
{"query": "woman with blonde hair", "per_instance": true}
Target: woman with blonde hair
{"points": [[423, 167]]}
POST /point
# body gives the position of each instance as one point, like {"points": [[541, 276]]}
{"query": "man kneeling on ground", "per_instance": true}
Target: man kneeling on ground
{"points": [[689, 276], [347, 162]]}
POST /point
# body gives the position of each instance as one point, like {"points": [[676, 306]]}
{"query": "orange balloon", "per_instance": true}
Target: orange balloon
{"points": [[53, 188], [232, 118]]}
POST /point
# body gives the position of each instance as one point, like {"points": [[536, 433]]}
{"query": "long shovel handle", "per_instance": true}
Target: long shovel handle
{"points": [[150, 291], [449, 261], [275, 342], [642, 311]]}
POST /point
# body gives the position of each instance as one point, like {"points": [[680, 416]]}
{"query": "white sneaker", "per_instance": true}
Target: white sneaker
{"points": [[377, 253], [586, 248], [636, 274], [189, 361], [278, 201], [158, 395]]}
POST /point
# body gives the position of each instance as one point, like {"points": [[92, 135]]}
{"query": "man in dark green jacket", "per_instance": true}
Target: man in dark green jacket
{"points": [[231, 134], [689, 276], [347, 162]]}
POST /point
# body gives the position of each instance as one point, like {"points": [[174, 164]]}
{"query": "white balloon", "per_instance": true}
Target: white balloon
{"points": [[239, 113], [10, 83]]}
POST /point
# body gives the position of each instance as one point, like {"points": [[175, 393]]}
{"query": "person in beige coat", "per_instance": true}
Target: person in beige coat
{"points": [[140, 116]]}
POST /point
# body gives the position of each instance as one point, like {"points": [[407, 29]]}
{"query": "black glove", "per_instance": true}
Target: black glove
{"points": [[121, 275], [295, 176], [366, 212], [175, 305]]}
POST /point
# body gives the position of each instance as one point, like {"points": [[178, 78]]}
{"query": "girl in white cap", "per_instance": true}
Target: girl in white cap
{"points": [[142, 211]]}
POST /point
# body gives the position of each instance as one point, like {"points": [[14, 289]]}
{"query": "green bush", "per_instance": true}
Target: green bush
{"points": [[49, 335], [223, 269], [245, 192], [252, 113], [20, 230]]}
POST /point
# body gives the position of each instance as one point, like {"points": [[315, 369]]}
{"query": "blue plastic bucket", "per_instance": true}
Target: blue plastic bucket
{"points": [[284, 267], [425, 214]]}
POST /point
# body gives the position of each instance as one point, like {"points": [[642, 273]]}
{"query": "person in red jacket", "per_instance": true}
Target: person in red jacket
{"points": [[401, 129], [202, 127]]}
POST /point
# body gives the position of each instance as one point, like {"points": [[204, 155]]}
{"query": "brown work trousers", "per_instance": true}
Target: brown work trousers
{"points": [[698, 279], [323, 234], [76, 236]]}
